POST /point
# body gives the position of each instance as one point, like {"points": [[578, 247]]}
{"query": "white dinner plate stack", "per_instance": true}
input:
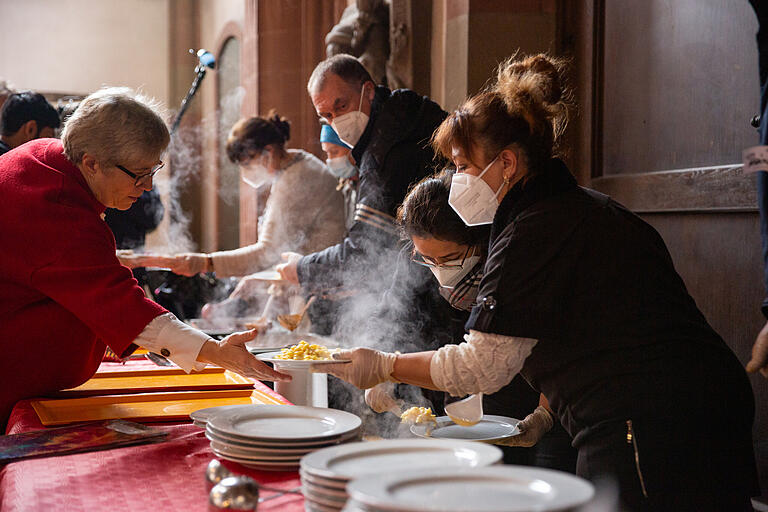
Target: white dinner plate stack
{"points": [[325, 473], [489, 489], [275, 437]]}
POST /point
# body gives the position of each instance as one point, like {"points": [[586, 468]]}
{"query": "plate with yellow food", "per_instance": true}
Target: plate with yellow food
{"points": [[489, 429], [302, 353]]}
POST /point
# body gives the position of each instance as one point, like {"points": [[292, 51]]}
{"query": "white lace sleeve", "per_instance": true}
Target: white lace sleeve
{"points": [[174, 339], [485, 363]]}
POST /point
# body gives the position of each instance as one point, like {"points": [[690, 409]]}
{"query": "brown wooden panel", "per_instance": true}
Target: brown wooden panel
{"points": [[719, 258], [681, 84], [704, 189]]}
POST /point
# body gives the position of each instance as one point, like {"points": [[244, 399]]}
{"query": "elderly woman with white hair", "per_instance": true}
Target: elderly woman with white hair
{"points": [[64, 296]]}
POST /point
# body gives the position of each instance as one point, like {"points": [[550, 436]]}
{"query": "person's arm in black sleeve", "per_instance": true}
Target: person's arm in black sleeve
{"points": [[373, 235]]}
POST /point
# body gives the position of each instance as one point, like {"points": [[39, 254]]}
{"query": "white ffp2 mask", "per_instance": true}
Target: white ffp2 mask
{"points": [[350, 126], [341, 167], [473, 199], [449, 277]]}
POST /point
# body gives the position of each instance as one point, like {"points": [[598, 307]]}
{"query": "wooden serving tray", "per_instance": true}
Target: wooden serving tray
{"points": [[157, 381], [141, 407]]}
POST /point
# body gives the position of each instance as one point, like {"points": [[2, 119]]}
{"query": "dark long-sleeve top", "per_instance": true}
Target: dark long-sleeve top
{"points": [[392, 154]]}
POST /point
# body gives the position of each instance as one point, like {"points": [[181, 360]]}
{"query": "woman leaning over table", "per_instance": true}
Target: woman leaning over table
{"points": [[64, 296], [581, 297]]}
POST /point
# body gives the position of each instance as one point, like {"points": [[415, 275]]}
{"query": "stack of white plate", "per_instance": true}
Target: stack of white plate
{"points": [[491, 489], [325, 473], [276, 437]]}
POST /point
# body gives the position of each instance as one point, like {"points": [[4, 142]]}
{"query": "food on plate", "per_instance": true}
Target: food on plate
{"points": [[304, 351], [417, 415]]}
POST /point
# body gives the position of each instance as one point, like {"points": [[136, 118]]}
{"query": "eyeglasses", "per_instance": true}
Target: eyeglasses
{"points": [[142, 179], [426, 262]]}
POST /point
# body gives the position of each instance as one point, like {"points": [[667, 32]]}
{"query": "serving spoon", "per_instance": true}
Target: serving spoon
{"points": [[291, 322], [466, 412]]}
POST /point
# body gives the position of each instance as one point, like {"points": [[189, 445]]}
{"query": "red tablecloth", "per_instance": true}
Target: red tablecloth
{"points": [[152, 477]]}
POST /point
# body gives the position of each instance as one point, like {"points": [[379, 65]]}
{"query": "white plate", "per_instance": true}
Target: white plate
{"points": [[269, 357], [284, 423], [490, 428], [326, 491], [224, 446], [255, 454], [352, 460], [313, 506], [329, 483], [492, 489], [241, 442], [202, 415], [328, 501], [285, 464], [269, 274]]}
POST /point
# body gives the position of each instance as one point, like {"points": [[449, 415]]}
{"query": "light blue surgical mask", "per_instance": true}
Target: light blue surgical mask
{"points": [[341, 167]]}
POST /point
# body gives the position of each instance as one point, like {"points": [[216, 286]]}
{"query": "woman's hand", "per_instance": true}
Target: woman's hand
{"points": [[288, 270], [759, 359], [230, 353], [381, 398], [247, 287], [132, 259], [188, 264], [367, 367]]}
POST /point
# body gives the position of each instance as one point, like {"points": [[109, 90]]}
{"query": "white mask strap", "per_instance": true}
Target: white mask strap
{"points": [[360, 106], [496, 195]]}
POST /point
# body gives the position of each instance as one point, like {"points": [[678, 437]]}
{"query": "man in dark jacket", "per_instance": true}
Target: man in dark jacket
{"points": [[389, 133], [26, 116]]}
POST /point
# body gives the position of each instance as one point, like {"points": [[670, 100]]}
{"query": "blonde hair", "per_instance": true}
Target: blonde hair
{"points": [[115, 125], [526, 106]]}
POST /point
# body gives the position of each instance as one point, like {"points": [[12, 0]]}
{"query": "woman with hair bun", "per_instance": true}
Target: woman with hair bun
{"points": [[581, 297], [304, 211]]}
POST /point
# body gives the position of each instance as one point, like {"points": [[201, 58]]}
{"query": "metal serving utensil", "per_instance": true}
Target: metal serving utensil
{"points": [[245, 489], [291, 322]]}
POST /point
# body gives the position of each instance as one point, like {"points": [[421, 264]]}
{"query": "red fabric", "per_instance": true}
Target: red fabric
{"points": [[163, 476], [63, 292]]}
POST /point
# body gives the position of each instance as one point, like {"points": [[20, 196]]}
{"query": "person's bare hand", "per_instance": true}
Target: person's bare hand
{"points": [[759, 361], [132, 259], [247, 287], [288, 270], [188, 264], [230, 353]]}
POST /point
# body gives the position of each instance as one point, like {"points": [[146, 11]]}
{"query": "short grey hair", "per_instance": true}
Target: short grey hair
{"points": [[346, 67], [115, 125]]}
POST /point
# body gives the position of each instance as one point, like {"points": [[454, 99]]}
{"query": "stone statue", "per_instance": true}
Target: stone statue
{"points": [[363, 31]]}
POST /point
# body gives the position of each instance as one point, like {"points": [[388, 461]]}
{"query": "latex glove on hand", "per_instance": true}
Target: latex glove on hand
{"points": [[231, 353], [288, 270], [189, 264], [381, 398], [247, 287], [532, 428], [759, 359], [367, 367]]}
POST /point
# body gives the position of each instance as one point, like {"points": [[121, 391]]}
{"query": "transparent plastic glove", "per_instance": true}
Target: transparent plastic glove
{"points": [[532, 428], [381, 398], [367, 367], [759, 359]]}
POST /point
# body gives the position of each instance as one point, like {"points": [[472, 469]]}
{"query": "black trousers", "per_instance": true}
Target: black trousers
{"points": [[676, 464]]}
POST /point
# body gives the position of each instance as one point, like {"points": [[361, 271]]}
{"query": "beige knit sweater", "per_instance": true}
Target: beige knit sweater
{"points": [[304, 214]]}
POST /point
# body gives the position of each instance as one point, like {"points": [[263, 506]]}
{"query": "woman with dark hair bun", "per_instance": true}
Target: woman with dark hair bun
{"points": [[581, 297], [304, 211]]}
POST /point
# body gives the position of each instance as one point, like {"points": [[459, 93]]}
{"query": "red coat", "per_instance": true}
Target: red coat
{"points": [[63, 292]]}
